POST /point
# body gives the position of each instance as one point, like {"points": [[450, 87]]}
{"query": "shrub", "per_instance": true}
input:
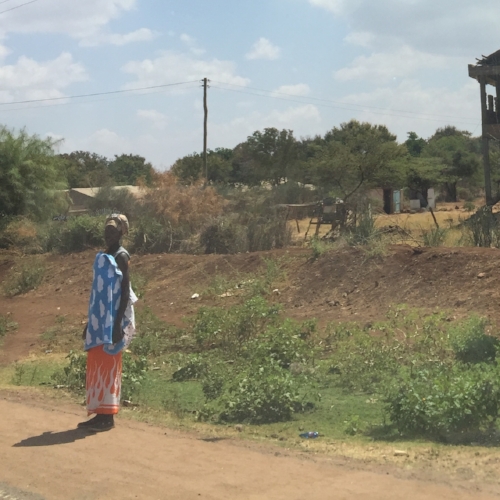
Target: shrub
{"points": [[73, 375], [483, 228], [26, 278], [149, 235], [455, 399], [229, 329], [154, 336], [364, 231], [225, 235], [284, 344], [469, 206], [6, 326], [22, 234], [77, 234], [470, 342], [193, 368], [134, 373], [261, 395], [318, 247], [434, 237]]}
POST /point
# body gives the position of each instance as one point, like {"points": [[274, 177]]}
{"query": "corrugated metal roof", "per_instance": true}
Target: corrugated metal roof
{"points": [[92, 192]]}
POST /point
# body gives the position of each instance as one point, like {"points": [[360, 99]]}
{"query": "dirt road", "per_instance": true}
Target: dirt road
{"points": [[43, 456]]}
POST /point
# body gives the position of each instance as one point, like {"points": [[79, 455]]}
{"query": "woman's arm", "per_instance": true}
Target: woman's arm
{"points": [[122, 262]]}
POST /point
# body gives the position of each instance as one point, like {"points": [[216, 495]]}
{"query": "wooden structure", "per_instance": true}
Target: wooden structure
{"points": [[487, 72]]}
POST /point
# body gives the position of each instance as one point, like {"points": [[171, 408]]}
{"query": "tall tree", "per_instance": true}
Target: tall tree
{"points": [[189, 169], [30, 175], [85, 169], [358, 156], [131, 169], [415, 144], [458, 159], [273, 153]]}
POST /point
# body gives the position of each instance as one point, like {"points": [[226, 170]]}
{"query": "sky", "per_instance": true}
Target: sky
{"points": [[304, 65]]}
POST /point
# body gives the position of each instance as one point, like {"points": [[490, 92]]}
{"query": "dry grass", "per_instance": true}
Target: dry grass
{"points": [[447, 216]]}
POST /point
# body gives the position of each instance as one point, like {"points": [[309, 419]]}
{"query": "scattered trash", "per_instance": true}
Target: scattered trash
{"points": [[309, 435], [196, 296], [60, 386], [481, 275], [224, 295], [276, 292], [48, 351], [239, 428]]}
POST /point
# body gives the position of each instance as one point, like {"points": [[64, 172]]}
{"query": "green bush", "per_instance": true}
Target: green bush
{"points": [[77, 234], [448, 400], [154, 336], [483, 228], [134, 373], [192, 368], [73, 375], [224, 236], [469, 206], [150, 235], [229, 329], [471, 344], [364, 231], [25, 278], [264, 394], [284, 344], [434, 237], [6, 326]]}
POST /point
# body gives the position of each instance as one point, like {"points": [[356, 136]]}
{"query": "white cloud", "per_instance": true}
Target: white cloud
{"points": [[410, 106], [301, 89], [303, 120], [444, 26], [173, 67], [82, 20], [264, 49], [192, 44], [29, 79], [140, 35], [385, 66], [157, 119]]}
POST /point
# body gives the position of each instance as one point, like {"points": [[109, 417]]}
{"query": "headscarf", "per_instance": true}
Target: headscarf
{"points": [[120, 222]]}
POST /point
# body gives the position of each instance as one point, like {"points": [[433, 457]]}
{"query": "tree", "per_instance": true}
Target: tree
{"points": [[415, 144], [273, 154], [30, 175], [458, 159], [131, 169], [358, 156], [84, 169], [189, 169]]}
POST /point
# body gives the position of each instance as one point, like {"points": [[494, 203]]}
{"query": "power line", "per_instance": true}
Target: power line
{"points": [[346, 107], [17, 6], [362, 106], [30, 101], [69, 103]]}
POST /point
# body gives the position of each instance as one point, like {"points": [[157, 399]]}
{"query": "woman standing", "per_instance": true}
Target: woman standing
{"points": [[110, 327]]}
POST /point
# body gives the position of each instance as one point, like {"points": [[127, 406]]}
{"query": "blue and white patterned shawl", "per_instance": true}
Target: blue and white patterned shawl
{"points": [[104, 303]]}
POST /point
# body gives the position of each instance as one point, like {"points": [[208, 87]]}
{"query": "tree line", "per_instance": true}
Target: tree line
{"points": [[349, 159], [344, 162]]}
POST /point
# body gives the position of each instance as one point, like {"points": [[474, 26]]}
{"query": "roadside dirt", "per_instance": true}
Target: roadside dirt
{"points": [[41, 453], [343, 285]]}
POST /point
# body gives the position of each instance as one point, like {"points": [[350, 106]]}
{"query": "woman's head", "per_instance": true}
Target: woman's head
{"points": [[116, 227]]}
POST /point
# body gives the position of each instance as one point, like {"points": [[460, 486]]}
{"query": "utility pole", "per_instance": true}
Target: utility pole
{"points": [[205, 128]]}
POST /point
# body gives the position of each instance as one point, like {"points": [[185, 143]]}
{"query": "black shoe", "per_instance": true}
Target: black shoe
{"points": [[102, 424], [92, 421]]}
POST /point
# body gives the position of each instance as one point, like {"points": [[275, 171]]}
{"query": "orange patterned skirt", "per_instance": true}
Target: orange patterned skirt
{"points": [[103, 381]]}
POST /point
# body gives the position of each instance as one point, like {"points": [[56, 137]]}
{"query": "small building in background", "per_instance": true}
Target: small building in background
{"points": [[388, 200], [81, 198]]}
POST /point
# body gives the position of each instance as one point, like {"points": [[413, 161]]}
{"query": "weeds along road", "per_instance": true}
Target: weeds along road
{"points": [[43, 456]]}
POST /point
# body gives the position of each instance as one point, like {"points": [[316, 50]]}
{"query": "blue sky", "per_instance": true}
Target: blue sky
{"points": [[316, 63]]}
